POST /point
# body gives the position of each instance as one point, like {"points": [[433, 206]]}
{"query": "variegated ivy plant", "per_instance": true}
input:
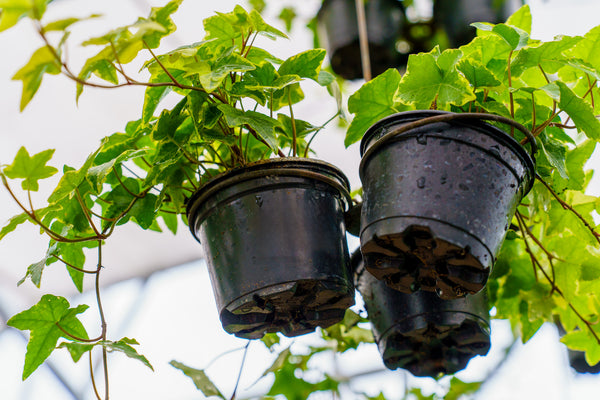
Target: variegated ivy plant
{"points": [[549, 266], [235, 107]]}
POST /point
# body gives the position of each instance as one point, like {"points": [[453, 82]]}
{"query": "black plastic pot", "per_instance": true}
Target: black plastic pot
{"points": [[420, 332], [456, 16], [438, 200], [274, 238], [338, 27]]}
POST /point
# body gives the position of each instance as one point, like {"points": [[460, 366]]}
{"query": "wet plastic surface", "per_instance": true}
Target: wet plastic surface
{"points": [[338, 27], [437, 202], [420, 332], [274, 239]]}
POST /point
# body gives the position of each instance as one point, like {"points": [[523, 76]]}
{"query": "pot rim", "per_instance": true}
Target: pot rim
{"points": [[285, 166], [492, 131]]}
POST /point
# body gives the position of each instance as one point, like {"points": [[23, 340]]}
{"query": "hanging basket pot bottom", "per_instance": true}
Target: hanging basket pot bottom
{"points": [[420, 332], [438, 199], [274, 238]]}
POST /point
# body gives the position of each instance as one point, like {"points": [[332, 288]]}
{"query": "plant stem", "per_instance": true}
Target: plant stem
{"points": [[294, 133], [102, 319], [568, 207], [92, 377], [237, 382]]}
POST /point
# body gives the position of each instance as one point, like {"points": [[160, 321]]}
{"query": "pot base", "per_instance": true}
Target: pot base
{"points": [[292, 308], [418, 259], [429, 349]]}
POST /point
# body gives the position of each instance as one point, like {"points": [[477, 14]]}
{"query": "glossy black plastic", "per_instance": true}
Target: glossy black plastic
{"points": [[274, 238], [338, 27], [420, 332], [437, 201], [456, 16]]}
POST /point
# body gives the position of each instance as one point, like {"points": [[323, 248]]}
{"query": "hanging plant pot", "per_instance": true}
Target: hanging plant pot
{"points": [[456, 16], [338, 27], [438, 199], [273, 234], [420, 332]]}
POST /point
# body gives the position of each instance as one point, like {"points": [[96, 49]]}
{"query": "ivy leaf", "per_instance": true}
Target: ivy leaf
{"points": [[63, 24], [42, 320], [281, 359], [30, 168], [555, 154], [76, 349], [582, 340], [212, 74], [34, 271], [372, 102], [426, 83], [11, 11], [162, 16], [587, 49], [306, 64], [13, 223], [262, 124], [515, 37], [287, 15], [124, 346], [578, 109], [43, 61], [97, 174], [477, 74], [200, 379], [347, 334], [549, 55], [521, 19]]}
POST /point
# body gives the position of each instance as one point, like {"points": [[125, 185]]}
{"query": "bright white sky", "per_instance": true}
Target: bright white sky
{"points": [[176, 317]]}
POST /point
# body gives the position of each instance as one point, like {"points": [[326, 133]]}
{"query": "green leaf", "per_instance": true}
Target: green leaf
{"points": [[347, 334], [287, 15], [213, 73], [549, 56], [587, 49], [426, 83], [477, 74], [30, 169], [200, 379], [63, 24], [76, 349], [372, 102], [124, 346], [260, 26], [11, 11], [306, 64], [162, 16], [13, 223], [582, 340], [521, 19], [263, 125], [43, 61], [515, 37], [42, 320], [577, 108], [555, 154]]}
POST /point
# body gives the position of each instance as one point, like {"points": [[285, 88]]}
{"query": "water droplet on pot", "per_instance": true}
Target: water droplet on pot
{"points": [[439, 292], [444, 178], [445, 142], [495, 150], [422, 139], [421, 182], [258, 200], [468, 167], [463, 186]]}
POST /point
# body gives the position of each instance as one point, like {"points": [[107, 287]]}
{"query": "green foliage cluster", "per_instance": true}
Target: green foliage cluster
{"points": [[235, 106], [548, 266]]}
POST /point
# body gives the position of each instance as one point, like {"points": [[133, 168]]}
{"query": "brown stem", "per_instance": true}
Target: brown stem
{"points": [[125, 187], [102, 319], [85, 271], [534, 261], [86, 213], [510, 94], [568, 207], [71, 336], [92, 377], [53, 235]]}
